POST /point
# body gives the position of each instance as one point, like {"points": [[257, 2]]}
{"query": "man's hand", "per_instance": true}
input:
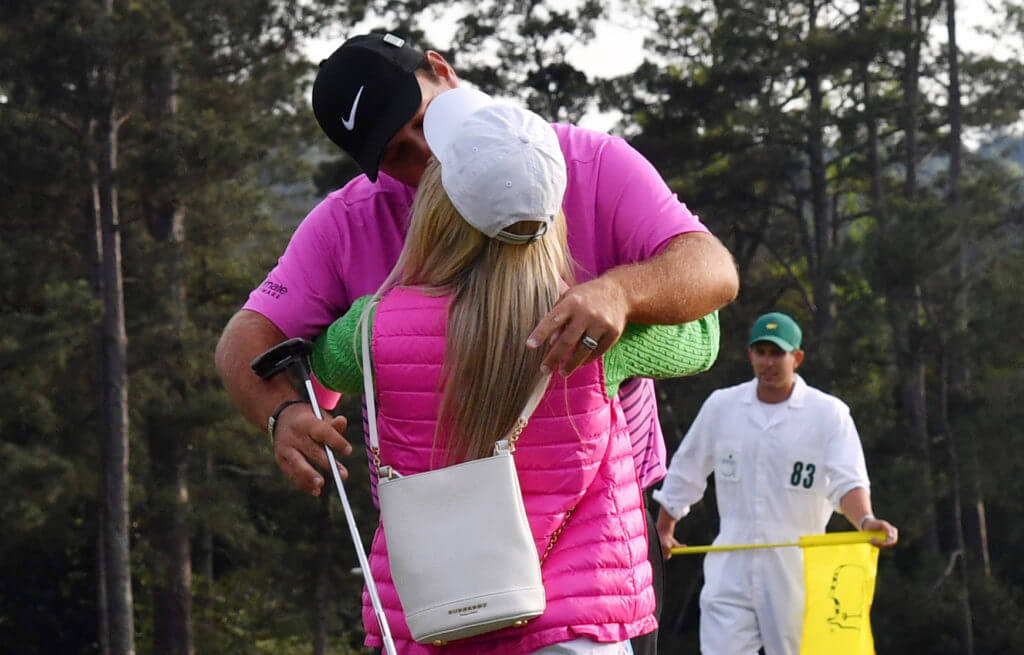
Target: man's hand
{"points": [[298, 435], [691, 277], [596, 309], [299, 440], [666, 526], [856, 507], [891, 533]]}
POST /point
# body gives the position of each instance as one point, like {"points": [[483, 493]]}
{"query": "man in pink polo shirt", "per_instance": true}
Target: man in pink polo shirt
{"points": [[641, 256]]}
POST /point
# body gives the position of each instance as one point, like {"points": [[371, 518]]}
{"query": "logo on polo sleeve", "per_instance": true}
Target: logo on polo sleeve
{"points": [[273, 289]]}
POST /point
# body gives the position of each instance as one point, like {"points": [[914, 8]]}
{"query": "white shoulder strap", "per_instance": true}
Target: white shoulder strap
{"points": [[371, 402], [534, 399]]}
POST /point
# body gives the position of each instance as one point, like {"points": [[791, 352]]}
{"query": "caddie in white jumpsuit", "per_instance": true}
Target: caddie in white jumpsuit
{"points": [[784, 455]]}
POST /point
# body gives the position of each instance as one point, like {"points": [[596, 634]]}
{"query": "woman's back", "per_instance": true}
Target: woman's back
{"points": [[576, 473]]}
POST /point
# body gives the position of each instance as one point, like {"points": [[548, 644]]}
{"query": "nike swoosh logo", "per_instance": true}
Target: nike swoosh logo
{"points": [[351, 122]]}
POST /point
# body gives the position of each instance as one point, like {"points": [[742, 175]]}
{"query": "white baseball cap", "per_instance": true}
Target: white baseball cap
{"points": [[500, 164]]}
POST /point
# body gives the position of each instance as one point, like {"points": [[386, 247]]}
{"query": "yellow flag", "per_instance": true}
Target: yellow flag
{"points": [[839, 577]]}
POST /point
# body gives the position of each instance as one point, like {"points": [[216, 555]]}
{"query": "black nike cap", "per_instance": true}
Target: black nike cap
{"points": [[365, 92]]}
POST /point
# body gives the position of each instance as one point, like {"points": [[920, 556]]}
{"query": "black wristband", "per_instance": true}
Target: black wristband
{"points": [[272, 421]]}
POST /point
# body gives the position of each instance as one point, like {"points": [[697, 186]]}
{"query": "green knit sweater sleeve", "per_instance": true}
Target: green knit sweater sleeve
{"points": [[653, 351], [662, 351], [337, 357]]}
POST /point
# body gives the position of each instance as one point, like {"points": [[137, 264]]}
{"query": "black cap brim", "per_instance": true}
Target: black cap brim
{"points": [[404, 105]]}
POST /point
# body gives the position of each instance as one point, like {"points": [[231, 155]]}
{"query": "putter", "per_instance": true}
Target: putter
{"points": [[292, 357]]}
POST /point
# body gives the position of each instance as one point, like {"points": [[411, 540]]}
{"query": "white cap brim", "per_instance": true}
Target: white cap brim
{"points": [[447, 112]]}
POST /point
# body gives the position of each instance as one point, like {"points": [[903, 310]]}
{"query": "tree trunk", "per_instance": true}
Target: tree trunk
{"points": [[905, 308], [165, 218], [172, 580], [323, 577], [114, 346], [95, 232], [821, 257], [963, 593], [955, 140], [904, 315], [960, 391], [820, 241], [204, 557], [911, 75], [103, 619], [871, 125]]}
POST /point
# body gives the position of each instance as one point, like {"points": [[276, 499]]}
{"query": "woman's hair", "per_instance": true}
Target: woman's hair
{"points": [[499, 292]]}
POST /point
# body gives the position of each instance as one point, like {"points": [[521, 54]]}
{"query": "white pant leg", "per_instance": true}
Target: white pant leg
{"points": [[728, 621], [780, 605]]}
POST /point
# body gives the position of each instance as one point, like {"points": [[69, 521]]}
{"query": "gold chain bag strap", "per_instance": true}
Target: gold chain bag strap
{"points": [[460, 549]]}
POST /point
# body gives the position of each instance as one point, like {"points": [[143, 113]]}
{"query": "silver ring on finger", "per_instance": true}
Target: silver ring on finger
{"points": [[588, 342]]}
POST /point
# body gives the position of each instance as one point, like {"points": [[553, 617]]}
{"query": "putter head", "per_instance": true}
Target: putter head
{"points": [[282, 357]]}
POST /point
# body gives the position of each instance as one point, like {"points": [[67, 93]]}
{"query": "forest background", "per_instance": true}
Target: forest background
{"points": [[862, 167]]}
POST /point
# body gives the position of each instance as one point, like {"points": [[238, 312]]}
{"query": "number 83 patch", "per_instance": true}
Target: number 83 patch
{"points": [[802, 474]]}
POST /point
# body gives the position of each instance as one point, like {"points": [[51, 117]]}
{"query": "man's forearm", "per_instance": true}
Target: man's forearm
{"points": [[693, 276], [666, 523], [301, 439], [246, 336], [855, 505]]}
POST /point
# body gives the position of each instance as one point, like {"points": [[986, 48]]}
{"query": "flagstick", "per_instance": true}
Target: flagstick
{"points": [[808, 541]]}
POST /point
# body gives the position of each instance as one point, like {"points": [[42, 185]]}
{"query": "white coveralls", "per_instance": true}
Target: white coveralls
{"points": [[780, 469]]}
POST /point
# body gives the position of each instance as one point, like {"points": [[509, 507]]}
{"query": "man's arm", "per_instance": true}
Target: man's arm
{"points": [[666, 527], [848, 477], [298, 434], [687, 477], [693, 276], [856, 507]]}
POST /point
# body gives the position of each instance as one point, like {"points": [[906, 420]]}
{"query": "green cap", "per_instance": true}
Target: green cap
{"points": [[777, 328]]}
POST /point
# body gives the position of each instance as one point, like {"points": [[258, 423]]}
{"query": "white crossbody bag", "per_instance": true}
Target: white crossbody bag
{"points": [[461, 552]]}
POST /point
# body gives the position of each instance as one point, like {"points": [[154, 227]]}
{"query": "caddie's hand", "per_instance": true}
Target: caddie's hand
{"points": [[585, 322], [666, 527], [299, 439], [891, 533]]}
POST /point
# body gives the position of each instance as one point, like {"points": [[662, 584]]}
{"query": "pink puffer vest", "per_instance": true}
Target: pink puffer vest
{"points": [[597, 577]]}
